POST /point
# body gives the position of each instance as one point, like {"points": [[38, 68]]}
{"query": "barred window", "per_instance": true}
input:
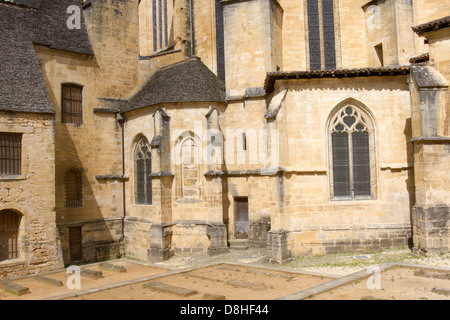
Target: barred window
{"points": [[10, 154], [160, 33], [73, 189], [72, 104], [321, 34], [352, 154], [143, 160], [220, 44], [9, 235]]}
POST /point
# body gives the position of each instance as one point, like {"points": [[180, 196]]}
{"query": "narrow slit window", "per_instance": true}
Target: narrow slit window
{"points": [[220, 44], [143, 162], [321, 34]]}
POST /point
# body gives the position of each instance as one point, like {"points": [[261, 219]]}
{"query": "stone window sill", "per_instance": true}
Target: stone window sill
{"points": [[12, 263], [7, 178]]}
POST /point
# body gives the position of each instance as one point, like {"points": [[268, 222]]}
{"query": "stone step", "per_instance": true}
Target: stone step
{"points": [[49, 281], [107, 266], [163, 287], [239, 244], [13, 288]]}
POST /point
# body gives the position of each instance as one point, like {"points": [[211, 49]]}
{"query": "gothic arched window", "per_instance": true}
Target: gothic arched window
{"points": [[143, 162], [352, 152]]}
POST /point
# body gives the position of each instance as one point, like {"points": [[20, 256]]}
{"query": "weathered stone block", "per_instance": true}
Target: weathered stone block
{"points": [[179, 291], [49, 281], [14, 288], [94, 274]]}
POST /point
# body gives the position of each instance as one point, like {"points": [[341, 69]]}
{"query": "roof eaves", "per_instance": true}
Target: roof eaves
{"points": [[271, 77], [433, 25]]}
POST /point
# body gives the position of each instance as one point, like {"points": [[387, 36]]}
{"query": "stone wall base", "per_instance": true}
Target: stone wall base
{"points": [[431, 229], [277, 246], [257, 233]]}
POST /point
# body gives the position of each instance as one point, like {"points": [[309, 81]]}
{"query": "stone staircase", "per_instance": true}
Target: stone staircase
{"points": [[238, 244]]}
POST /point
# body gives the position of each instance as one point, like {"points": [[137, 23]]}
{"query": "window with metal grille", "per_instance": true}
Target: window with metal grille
{"points": [[9, 235], [352, 164], [143, 160], [10, 154], [220, 44], [321, 37], [73, 189], [72, 104], [160, 25]]}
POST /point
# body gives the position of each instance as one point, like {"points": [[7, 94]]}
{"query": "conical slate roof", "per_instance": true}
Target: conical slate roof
{"points": [[186, 81]]}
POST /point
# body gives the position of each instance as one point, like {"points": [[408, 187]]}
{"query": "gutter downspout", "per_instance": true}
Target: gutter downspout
{"points": [[122, 120]]}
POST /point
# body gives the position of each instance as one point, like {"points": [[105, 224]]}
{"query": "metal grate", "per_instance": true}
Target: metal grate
{"points": [[9, 235], [220, 42], [166, 30], [160, 23], [72, 104], [143, 170], [314, 35], [10, 154], [329, 43], [73, 189], [341, 164], [155, 26], [350, 142], [361, 163]]}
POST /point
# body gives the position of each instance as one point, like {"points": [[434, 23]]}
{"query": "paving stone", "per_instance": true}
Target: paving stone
{"points": [[49, 281], [112, 267], [211, 296], [163, 287], [430, 274], [444, 291], [13, 288], [94, 274]]}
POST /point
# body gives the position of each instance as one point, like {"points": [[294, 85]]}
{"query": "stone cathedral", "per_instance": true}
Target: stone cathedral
{"points": [[152, 128]]}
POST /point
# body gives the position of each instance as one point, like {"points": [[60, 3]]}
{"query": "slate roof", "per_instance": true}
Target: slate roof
{"points": [[22, 87], [269, 84], [186, 81]]}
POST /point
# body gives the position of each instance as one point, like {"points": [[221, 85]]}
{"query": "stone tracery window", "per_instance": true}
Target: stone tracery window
{"points": [[188, 150], [143, 166], [352, 154]]}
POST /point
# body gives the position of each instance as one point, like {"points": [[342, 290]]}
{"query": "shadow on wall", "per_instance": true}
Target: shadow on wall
{"points": [[86, 235], [410, 181]]}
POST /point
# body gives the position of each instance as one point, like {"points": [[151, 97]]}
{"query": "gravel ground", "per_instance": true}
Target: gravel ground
{"points": [[336, 264]]}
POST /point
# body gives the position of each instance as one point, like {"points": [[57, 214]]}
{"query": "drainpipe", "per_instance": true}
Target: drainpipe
{"points": [[191, 25], [122, 120]]}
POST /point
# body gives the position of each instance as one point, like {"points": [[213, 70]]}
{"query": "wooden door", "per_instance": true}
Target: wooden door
{"points": [[75, 247], [241, 218]]}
